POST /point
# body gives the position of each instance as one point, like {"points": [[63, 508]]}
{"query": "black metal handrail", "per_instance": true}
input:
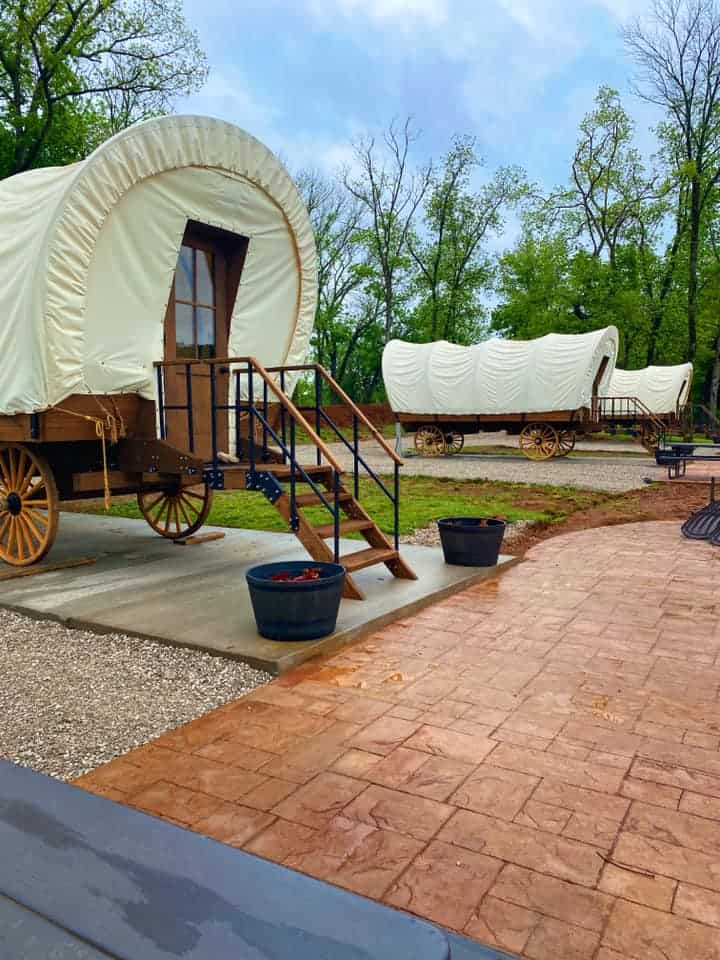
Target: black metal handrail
{"points": [[258, 451]]}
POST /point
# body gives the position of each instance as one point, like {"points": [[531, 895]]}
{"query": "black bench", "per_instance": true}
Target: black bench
{"points": [[676, 456], [83, 878]]}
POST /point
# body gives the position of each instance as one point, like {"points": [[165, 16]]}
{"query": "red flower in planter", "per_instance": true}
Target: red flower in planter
{"points": [[309, 573]]}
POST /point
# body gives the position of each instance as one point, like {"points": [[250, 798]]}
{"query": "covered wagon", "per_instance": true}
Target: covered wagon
{"points": [[156, 305], [543, 390], [648, 401]]}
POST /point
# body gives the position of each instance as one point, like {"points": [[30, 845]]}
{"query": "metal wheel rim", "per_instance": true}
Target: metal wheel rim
{"points": [[430, 441], [28, 505], [566, 442], [539, 441], [176, 513], [454, 442]]}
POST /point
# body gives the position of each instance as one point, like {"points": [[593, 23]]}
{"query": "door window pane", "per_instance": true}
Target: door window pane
{"points": [[205, 285], [184, 275], [184, 334], [205, 319]]}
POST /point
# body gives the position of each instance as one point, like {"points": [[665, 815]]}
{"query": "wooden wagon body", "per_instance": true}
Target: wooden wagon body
{"points": [[545, 391]]}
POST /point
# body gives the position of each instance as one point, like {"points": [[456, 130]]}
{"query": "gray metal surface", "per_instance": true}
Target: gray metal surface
{"points": [[26, 934], [141, 889]]}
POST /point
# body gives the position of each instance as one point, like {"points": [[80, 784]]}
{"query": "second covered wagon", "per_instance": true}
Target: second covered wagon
{"points": [[543, 390], [648, 402]]}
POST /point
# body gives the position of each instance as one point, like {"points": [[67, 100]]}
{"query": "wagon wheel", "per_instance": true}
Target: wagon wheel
{"points": [[178, 512], [454, 442], [566, 442], [539, 441], [28, 505], [649, 438], [430, 441]]}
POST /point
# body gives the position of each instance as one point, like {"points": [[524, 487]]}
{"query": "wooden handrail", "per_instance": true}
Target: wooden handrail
{"points": [[358, 413], [283, 399]]}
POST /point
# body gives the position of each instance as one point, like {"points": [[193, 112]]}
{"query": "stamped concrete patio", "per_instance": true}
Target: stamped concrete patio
{"points": [[533, 761]]}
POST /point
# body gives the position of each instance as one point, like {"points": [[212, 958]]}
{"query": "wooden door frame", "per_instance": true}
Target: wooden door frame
{"points": [[229, 252]]}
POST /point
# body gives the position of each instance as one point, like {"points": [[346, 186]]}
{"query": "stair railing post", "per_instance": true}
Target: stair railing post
{"points": [[213, 416], [396, 506], [336, 516], [238, 434], [251, 419], [356, 465], [294, 522], [283, 416], [188, 396], [265, 420], [318, 399]]}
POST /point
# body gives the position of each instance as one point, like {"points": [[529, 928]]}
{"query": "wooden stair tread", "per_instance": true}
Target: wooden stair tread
{"points": [[313, 500], [367, 558], [282, 471], [346, 526]]}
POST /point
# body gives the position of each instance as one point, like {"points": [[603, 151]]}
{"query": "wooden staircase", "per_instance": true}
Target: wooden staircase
{"points": [[265, 425], [315, 537]]}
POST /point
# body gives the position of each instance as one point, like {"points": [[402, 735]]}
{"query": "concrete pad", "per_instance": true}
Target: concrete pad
{"points": [[196, 596]]}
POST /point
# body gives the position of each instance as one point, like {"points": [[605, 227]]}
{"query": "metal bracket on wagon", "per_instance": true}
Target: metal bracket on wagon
{"points": [[265, 483], [214, 479]]}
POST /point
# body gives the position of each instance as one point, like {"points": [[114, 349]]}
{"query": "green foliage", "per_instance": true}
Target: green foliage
{"points": [[423, 500], [71, 73]]}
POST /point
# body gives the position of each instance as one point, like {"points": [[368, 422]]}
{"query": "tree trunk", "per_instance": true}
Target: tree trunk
{"points": [[715, 378], [656, 320], [693, 267]]}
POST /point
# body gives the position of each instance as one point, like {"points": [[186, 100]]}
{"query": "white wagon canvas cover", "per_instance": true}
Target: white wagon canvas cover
{"points": [[661, 389], [88, 254], [552, 373]]}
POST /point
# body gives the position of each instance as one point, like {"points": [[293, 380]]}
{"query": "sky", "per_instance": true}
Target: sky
{"points": [[307, 77]]}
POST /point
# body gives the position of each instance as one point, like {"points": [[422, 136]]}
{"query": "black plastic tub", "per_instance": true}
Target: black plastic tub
{"points": [[471, 541], [287, 610]]}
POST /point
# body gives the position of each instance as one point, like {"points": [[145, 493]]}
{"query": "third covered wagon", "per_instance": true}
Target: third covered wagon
{"points": [[546, 390]]}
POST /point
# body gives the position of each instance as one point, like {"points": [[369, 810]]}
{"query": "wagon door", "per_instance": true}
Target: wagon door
{"points": [[197, 327]]}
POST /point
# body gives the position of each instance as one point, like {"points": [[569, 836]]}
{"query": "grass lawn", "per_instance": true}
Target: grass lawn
{"points": [[422, 501]]}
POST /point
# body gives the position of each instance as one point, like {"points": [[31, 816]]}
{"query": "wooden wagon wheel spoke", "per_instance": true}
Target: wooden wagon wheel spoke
{"points": [[151, 506], [454, 442], [183, 511], [190, 493], [566, 442], [430, 441], [539, 441], [177, 512], [28, 505], [30, 517]]}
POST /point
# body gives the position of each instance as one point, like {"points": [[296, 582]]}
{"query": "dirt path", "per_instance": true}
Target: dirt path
{"points": [[665, 501]]}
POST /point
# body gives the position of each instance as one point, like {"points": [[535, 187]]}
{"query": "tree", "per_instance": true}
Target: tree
{"points": [[609, 186], [390, 193], [678, 54], [452, 272], [336, 218], [99, 64], [532, 285]]}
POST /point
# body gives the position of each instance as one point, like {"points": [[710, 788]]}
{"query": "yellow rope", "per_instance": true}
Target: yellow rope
{"points": [[100, 427]]}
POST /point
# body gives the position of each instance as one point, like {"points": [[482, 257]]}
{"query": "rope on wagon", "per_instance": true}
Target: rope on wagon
{"points": [[103, 429]]}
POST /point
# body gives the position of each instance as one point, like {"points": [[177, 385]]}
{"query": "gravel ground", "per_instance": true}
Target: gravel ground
{"points": [[72, 700], [612, 474], [430, 536]]}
